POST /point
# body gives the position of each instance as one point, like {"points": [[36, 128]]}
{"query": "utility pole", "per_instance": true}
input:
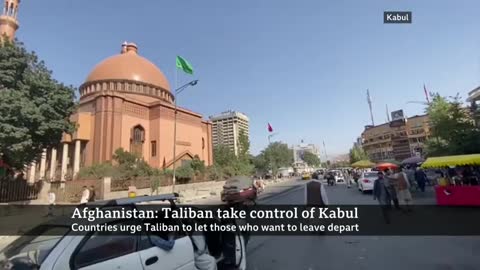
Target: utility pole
{"points": [[388, 114], [326, 156], [369, 100]]}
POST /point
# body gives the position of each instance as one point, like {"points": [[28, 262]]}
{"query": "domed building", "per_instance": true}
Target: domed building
{"points": [[125, 102]]}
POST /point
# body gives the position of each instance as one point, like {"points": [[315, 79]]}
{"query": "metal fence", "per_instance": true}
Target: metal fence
{"points": [[19, 190], [71, 191]]}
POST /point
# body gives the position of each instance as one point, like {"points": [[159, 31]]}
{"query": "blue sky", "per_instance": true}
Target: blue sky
{"points": [[304, 66]]}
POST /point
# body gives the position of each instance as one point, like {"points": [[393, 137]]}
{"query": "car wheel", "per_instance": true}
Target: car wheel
{"points": [[240, 252]]}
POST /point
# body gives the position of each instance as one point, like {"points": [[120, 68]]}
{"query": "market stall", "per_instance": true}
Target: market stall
{"points": [[450, 192]]}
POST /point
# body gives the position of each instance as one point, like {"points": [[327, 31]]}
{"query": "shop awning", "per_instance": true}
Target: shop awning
{"points": [[460, 160]]}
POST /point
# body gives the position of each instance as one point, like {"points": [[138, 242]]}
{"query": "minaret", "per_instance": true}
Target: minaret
{"points": [[8, 18]]}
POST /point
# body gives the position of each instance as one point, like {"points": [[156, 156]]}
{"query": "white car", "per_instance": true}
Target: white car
{"points": [[54, 246], [366, 181], [339, 177]]}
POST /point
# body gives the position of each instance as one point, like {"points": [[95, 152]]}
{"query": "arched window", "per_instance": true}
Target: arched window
{"points": [[11, 10], [136, 140], [203, 143]]}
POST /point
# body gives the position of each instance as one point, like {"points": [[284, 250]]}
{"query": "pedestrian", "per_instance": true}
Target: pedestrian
{"points": [[382, 195], [315, 196], [92, 194], [410, 171], [390, 184], [348, 178], [85, 195], [421, 178], [403, 190], [51, 202]]}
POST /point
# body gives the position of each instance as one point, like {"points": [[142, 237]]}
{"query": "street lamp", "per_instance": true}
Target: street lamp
{"points": [[177, 91]]}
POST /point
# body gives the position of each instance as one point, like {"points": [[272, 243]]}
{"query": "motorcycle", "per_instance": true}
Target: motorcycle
{"points": [[331, 180]]}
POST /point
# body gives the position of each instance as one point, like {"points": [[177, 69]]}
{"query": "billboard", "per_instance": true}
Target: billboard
{"points": [[397, 115]]}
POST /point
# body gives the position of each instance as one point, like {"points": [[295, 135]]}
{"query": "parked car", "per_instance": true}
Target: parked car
{"points": [[239, 189], [366, 181], [54, 246]]}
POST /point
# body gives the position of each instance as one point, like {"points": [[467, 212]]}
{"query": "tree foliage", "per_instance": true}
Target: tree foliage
{"points": [[34, 107], [311, 159], [198, 165], [357, 153], [243, 146], [453, 128], [223, 156], [227, 164], [277, 155]]}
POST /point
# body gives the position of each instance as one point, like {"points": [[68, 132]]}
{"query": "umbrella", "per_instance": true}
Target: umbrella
{"points": [[386, 165], [363, 164], [393, 161], [412, 160]]}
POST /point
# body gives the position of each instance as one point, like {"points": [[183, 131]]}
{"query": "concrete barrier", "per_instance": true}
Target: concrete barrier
{"points": [[186, 191]]}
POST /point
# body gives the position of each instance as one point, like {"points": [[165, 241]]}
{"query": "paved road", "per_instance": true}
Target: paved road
{"points": [[360, 252], [272, 189]]}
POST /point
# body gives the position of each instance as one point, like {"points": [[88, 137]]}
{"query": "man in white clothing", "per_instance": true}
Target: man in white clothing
{"points": [[85, 195]]}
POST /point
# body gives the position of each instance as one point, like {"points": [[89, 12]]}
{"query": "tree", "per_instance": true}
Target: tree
{"points": [[357, 153], [453, 128], [185, 172], [34, 107], [230, 165], [311, 159], [243, 146], [223, 156], [278, 155], [197, 165], [123, 157], [260, 163]]}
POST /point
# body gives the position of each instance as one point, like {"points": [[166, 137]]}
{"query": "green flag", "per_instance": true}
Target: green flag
{"points": [[184, 65]]}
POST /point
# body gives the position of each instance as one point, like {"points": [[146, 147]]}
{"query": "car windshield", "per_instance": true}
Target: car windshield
{"points": [[32, 249], [370, 175]]}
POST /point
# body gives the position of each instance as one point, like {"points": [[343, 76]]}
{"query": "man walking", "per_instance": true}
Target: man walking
{"points": [[403, 189], [421, 179], [51, 202], [92, 195], [381, 194], [85, 195], [390, 184]]}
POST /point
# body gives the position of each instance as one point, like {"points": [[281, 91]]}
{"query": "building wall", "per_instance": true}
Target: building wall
{"points": [[226, 129], [105, 123], [383, 141]]}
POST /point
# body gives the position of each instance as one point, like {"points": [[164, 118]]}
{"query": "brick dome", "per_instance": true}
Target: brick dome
{"points": [[129, 66]]}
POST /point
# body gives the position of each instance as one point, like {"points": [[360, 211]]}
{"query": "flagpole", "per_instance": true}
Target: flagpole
{"points": [[175, 132], [326, 155]]}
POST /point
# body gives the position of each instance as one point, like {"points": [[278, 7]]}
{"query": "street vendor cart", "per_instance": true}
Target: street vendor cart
{"points": [[448, 193]]}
